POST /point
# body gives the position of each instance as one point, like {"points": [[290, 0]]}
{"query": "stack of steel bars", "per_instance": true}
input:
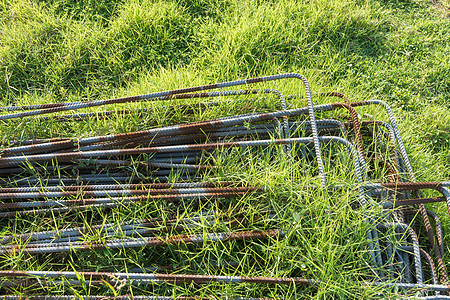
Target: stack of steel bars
{"points": [[170, 164]]}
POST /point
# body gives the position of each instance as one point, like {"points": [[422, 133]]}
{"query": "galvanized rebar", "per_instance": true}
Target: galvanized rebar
{"points": [[182, 148]]}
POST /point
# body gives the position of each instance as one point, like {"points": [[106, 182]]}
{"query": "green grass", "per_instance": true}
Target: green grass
{"points": [[395, 51]]}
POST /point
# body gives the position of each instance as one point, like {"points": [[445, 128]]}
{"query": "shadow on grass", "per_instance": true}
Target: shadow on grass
{"points": [[406, 5], [96, 10], [64, 57]]}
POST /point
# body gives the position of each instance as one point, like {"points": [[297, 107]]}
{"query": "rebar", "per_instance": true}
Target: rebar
{"points": [[188, 151]]}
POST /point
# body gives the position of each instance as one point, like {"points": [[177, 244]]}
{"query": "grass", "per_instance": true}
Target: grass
{"points": [[396, 51]]}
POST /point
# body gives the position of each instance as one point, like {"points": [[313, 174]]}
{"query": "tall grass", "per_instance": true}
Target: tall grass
{"points": [[394, 50]]}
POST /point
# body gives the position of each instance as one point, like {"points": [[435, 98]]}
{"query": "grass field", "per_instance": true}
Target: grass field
{"points": [[395, 51]]}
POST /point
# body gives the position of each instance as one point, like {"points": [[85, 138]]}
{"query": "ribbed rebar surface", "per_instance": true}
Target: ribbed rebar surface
{"points": [[99, 172]]}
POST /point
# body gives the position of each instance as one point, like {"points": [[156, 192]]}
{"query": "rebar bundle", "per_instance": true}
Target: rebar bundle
{"points": [[171, 164]]}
